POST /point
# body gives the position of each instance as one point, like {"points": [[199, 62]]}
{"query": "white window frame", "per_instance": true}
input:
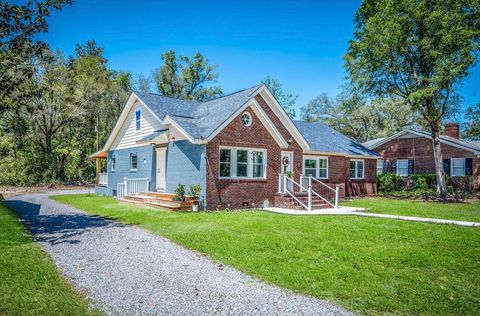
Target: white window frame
{"points": [[317, 159], [233, 163], [398, 169], [139, 129], [356, 169], [250, 119], [131, 160], [380, 168], [452, 169], [113, 163]]}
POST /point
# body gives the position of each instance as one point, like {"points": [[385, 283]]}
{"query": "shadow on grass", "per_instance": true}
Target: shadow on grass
{"points": [[57, 228]]}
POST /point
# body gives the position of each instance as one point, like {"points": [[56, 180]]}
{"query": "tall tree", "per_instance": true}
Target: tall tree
{"points": [[187, 78], [286, 99], [143, 83], [419, 50], [472, 128], [19, 50]]}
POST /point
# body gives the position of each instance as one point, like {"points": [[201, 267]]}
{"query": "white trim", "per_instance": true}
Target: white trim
{"points": [[250, 119], [356, 169], [168, 120], [325, 153], [317, 164], [233, 163], [464, 167]]}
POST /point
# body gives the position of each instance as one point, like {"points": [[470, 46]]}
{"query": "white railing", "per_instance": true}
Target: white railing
{"points": [[311, 186], [136, 185], [120, 190], [103, 178]]}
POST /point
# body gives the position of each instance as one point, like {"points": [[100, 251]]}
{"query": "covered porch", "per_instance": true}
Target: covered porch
{"points": [[100, 157]]}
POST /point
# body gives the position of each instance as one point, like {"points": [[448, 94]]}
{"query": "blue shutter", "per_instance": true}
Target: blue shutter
{"points": [[468, 166], [385, 166], [394, 166], [446, 166], [411, 168]]}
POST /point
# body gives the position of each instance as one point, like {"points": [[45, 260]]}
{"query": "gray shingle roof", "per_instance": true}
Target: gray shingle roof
{"points": [[199, 119], [323, 138]]}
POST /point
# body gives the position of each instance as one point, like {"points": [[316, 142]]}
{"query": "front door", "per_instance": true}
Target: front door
{"points": [[161, 168], [287, 163]]}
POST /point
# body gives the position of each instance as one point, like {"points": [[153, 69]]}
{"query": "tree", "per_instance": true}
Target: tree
{"points": [[187, 78], [472, 129], [418, 50], [287, 100], [19, 50], [143, 83]]}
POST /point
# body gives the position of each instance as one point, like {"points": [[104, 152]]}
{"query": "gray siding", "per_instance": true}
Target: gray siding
{"points": [[186, 164], [122, 168]]}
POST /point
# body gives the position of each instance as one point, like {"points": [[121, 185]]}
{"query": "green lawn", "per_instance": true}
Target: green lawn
{"points": [[368, 265], [459, 211], [30, 284]]}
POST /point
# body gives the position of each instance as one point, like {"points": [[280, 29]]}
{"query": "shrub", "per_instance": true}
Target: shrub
{"points": [[425, 179], [389, 182], [195, 190], [180, 192]]}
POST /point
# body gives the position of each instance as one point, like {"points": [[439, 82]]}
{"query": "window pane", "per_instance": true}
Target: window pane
{"points": [[322, 163], [257, 170], [225, 155], [359, 169], [323, 173], [311, 172], [242, 156], [379, 166], [257, 157], [133, 161], [241, 170], [224, 169], [138, 115], [310, 163], [458, 167], [352, 169], [402, 167]]}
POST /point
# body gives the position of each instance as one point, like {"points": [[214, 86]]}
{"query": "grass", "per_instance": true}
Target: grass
{"points": [[30, 284], [458, 211], [368, 265]]}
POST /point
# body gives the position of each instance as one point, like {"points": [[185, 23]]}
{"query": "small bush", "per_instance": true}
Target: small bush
{"points": [[179, 192], [195, 190], [428, 179], [389, 182]]}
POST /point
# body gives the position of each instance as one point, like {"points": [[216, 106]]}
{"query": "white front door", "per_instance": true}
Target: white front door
{"points": [[286, 162], [161, 168]]}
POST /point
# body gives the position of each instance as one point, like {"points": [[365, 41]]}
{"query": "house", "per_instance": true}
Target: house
{"points": [[410, 151], [242, 149]]}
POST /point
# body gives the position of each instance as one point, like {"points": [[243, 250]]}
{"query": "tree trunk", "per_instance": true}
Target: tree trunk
{"points": [[437, 154]]}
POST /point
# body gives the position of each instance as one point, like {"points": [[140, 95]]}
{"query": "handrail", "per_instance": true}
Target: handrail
{"points": [[285, 189], [325, 185], [331, 196]]}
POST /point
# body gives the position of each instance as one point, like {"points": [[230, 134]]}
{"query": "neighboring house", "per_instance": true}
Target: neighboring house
{"points": [[237, 147], [410, 151]]}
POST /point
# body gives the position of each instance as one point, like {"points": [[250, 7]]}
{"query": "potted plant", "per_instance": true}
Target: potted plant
{"points": [[180, 193], [195, 190]]}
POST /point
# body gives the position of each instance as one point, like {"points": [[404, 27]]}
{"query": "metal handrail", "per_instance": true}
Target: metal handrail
{"points": [[308, 207]]}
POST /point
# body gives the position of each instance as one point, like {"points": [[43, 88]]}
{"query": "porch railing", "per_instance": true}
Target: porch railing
{"points": [[312, 187], [120, 190], [103, 178], [136, 185]]}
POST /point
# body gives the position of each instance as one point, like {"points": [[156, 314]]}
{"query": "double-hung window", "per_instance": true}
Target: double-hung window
{"points": [[357, 169], [379, 166], [133, 162], [402, 167], [458, 167], [114, 163], [138, 120], [238, 163], [316, 167]]}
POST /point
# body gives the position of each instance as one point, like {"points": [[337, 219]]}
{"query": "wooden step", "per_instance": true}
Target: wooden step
{"points": [[167, 196]]}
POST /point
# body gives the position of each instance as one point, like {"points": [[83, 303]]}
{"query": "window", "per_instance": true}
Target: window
{"points": [[458, 167], [225, 162], [242, 163], [246, 119], [316, 167], [357, 169], [113, 163], [133, 162], [379, 166], [138, 120], [402, 167]]}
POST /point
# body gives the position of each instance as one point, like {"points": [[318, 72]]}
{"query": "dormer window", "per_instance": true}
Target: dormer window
{"points": [[246, 119], [138, 120]]}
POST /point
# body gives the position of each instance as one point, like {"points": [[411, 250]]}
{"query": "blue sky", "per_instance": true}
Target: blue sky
{"points": [[301, 43]]}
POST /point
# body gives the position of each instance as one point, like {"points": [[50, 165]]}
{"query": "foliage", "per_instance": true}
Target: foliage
{"points": [[19, 50], [358, 118], [31, 283], [371, 266], [179, 192], [472, 128], [389, 182], [143, 84], [285, 99], [187, 78], [423, 180], [195, 190]]}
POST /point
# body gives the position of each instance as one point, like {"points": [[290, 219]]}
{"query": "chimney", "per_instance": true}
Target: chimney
{"points": [[452, 130]]}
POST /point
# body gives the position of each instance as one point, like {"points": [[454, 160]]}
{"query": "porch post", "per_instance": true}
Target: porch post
{"points": [[99, 168], [337, 194], [310, 193]]}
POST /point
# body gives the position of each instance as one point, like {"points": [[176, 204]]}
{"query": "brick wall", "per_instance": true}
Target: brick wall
{"points": [[232, 192], [421, 151]]}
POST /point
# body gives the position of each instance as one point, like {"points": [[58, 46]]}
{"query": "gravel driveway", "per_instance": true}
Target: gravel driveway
{"points": [[128, 271]]}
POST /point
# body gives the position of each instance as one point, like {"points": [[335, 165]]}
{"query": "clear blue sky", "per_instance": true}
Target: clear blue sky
{"points": [[301, 43]]}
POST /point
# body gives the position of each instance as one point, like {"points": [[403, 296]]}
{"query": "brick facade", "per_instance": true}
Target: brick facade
{"points": [[420, 150], [234, 192]]}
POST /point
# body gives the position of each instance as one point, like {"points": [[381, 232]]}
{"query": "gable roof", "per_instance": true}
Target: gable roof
{"points": [[459, 143], [323, 138]]}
